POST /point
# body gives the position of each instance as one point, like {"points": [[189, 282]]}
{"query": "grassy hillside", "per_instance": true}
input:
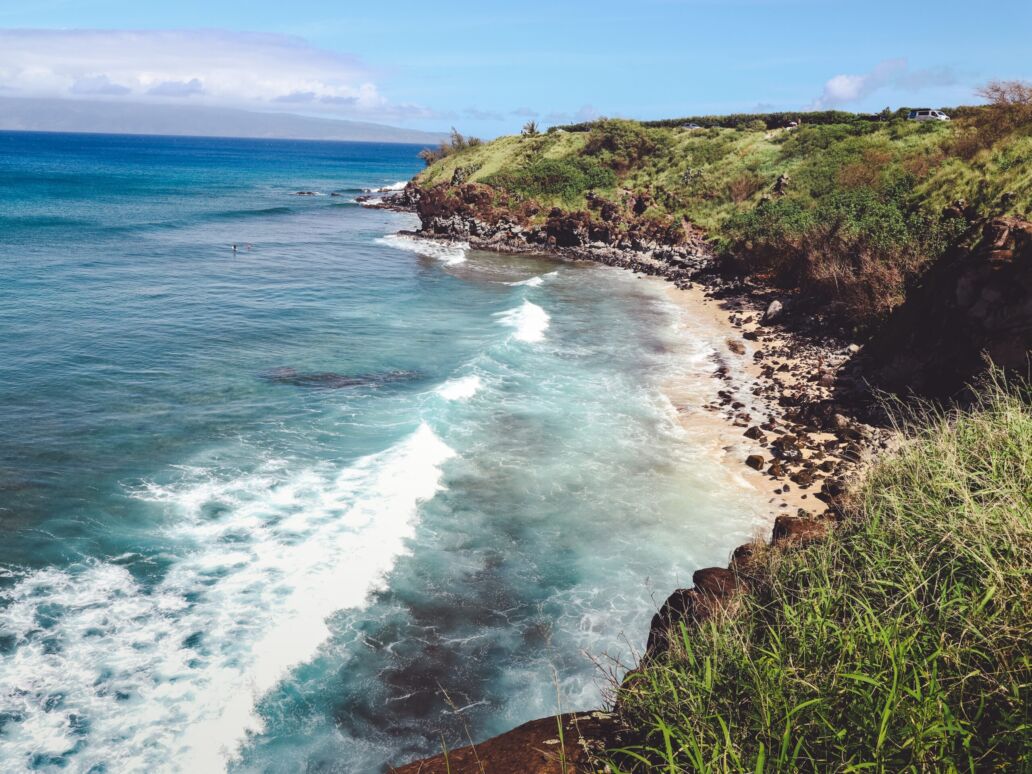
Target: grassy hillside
{"points": [[900, 643], [847, 212]]}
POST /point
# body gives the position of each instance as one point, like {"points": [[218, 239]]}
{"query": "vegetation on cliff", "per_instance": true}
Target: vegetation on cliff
{"points": [[900, 642], [847, 209]]}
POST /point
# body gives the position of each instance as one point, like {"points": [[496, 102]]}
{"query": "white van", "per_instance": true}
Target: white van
{"points": [[927, 114]]}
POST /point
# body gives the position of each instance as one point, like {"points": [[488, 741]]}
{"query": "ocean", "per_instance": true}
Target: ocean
{"points": [[323, 502]]}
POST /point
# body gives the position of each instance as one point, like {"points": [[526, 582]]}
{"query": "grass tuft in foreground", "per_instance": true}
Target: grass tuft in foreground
{"points": [[900, 643]]}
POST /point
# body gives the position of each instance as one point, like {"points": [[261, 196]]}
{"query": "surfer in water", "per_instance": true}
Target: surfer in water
{"points": [[234, 248]]}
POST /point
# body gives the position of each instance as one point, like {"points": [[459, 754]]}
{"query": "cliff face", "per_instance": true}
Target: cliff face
{"points": [[974, 303]]}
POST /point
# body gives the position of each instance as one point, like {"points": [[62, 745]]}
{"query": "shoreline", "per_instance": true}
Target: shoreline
{"points": [[786, 415], [796, 396], [737, 371]]}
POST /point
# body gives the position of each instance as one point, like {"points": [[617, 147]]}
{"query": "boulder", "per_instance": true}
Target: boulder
{"points": [[533, 748], [715, 582], [794, 530], [774, 310]]}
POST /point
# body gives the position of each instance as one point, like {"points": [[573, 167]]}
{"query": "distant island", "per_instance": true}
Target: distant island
{"points": [[100, 117]]}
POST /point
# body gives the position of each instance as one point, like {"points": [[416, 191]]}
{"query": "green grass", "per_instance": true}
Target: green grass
{"points": [[858, 221], [900, 643]]}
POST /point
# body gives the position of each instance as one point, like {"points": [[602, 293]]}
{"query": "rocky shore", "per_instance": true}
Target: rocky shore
{"points": [[806, 405], [812, 413]]}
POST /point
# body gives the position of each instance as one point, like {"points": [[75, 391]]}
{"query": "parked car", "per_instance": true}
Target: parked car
{"points": [[927, 114], [691, 127]]}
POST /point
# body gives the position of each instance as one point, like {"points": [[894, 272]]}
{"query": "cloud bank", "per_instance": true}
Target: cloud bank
{"points": [[213, 67], [890, 73]]}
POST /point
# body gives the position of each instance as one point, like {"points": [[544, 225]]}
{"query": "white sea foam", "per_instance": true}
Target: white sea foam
{"points": [[463, 388], [529, 320], [450, 253], [167, 678], [533, 282], [398, 186]]}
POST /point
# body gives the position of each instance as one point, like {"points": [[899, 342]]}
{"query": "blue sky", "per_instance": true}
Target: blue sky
{"points": [[486, 67]]}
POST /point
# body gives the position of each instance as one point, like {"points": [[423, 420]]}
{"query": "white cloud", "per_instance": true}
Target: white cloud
{"points": [[214, 67], [177, 88], [890, 73], [97, 84]]}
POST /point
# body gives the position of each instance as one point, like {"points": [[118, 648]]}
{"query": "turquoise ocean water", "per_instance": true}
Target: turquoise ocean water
{"points": [[307, 506]]}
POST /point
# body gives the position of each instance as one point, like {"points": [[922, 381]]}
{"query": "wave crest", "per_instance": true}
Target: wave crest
{"points": [[462, 388], [450, 253], [529, 320]]}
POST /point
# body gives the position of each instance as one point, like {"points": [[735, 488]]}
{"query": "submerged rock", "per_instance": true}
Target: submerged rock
{"points": [[334, 381]]}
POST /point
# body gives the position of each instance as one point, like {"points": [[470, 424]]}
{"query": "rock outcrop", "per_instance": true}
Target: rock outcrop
{"points": [[556, 745], [617, 235], [971, 302]]}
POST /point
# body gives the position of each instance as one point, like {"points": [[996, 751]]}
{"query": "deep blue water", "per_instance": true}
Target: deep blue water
{"points": [[308, 505]]}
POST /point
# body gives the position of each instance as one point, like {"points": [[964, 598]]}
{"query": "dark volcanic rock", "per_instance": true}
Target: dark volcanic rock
{"points": [[792, 529], [533, 748], [717, 582], [971, 302], [605, 233]]}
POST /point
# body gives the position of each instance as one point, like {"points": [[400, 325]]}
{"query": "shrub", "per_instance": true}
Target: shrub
{"points": [[620, 143], [1009, 109], [755, 125], [565, 179], [745, 187], [899, 643], [852, 252], [456, 143], [867, 171]]}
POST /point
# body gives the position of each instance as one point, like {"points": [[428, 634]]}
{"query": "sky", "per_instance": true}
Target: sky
{"points": [[488, 67]]}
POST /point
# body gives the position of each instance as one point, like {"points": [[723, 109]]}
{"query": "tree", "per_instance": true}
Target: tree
{"points": [[530, 129], [1010, 103], [1007, 93]]}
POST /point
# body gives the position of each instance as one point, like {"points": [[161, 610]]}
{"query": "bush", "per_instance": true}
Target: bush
{"points": [[756, 125], [620, 143], [852, 252], [900, 643], [456, 143], [1009, 110], [566, 179], [745, 187]]}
